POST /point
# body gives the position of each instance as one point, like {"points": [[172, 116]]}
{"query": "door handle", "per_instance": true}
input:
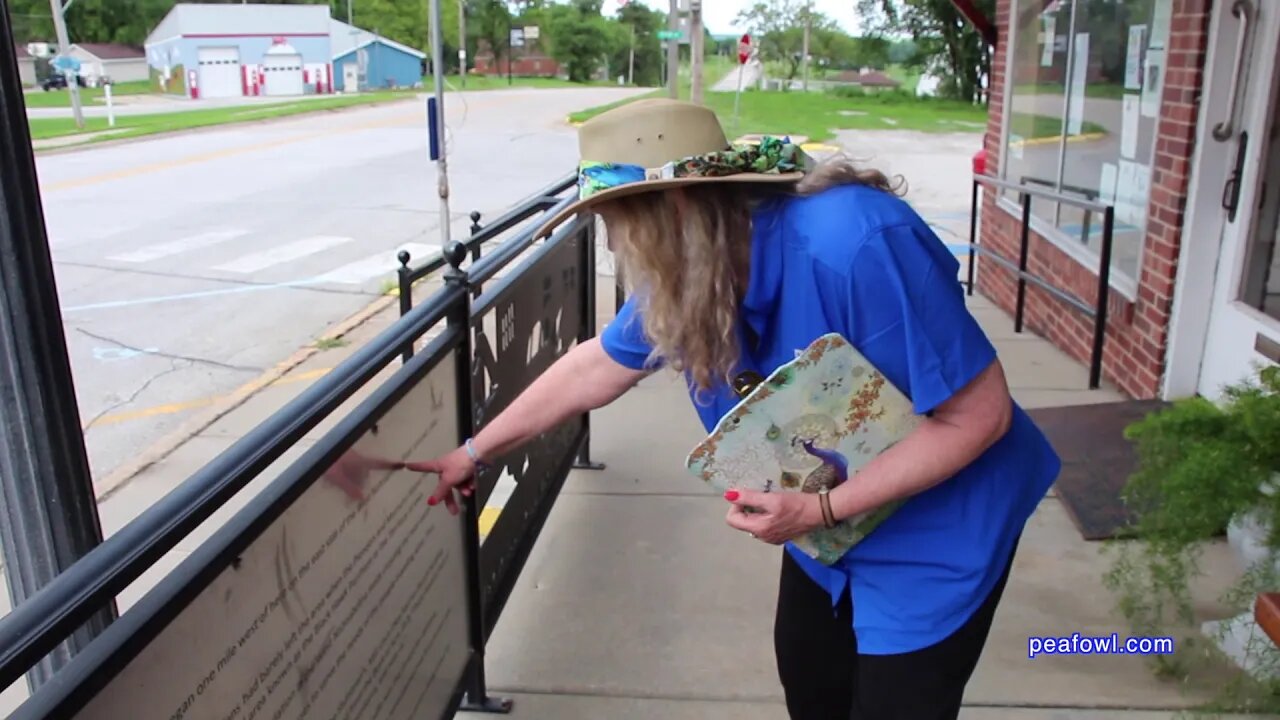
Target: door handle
{"points": [[1231, 193], [1242, 9]]}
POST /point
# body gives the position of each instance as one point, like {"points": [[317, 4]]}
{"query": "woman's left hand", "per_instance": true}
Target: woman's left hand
{"points": [[774, 518]]}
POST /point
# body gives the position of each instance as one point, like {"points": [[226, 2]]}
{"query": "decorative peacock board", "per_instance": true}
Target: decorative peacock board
{"points": [[815, 421]]}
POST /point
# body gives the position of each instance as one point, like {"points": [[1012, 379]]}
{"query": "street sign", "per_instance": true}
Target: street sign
{"points": [[517, 37], [531, 32], [669, 34], [65, 63], [744, 49]]}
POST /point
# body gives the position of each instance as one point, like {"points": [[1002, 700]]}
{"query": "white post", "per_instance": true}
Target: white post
{"points": [[742, 70], [64, 46], [111, 113]]}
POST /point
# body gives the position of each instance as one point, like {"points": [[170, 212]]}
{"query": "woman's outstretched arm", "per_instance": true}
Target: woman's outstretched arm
{"points": [[585, 379]]}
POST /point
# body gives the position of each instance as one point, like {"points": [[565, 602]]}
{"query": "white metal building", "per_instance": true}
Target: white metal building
{"points": [[214, 51]]}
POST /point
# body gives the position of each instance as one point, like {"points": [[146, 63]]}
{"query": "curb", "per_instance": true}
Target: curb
{"points": [[161, 449], [110, 142], [1086, 137]]}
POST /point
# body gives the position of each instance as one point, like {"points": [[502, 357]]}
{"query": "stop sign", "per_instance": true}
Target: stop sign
{"points": [[744, 49]]}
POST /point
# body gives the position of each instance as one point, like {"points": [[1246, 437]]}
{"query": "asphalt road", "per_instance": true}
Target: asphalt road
{"points": [[188, 265]]}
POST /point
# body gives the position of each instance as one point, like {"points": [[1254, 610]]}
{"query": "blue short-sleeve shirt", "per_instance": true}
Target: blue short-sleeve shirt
{"points": [[861, 262]]}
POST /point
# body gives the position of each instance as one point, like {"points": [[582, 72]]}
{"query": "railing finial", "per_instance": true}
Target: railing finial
{"points": [[456, 254], [404, 258]]}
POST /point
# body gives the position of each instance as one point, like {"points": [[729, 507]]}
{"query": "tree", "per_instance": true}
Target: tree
{"points": [[942, 35], [579, 37], [779, 25], [646, 23], [489, 22]]}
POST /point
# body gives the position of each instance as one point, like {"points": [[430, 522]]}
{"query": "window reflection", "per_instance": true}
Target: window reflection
{"points": [[1085, 80]]}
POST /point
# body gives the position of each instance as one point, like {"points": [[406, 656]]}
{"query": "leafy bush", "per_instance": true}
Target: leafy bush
{"points": [[1202, 465]]}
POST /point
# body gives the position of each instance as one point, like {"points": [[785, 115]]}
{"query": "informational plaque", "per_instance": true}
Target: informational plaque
{"points": [[343, 608]]}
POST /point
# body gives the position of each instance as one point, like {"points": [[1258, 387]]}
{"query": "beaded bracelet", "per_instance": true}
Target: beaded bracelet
{"points": [[475, 456]]}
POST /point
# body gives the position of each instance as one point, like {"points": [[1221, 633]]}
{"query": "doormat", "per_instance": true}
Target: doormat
{"points": [[1097, 461]]}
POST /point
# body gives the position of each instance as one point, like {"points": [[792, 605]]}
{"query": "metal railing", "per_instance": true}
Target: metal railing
{"points": [[1097, 312], [559, 273]]}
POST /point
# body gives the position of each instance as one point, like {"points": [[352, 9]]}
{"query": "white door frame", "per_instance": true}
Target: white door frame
{"points": [[1205, 225]]}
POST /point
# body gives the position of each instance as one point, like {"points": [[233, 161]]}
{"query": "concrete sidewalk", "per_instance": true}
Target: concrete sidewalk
{"points": [[639, 602]]}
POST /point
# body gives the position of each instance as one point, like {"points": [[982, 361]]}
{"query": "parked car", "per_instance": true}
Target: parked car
{"points": [[58, 81]]}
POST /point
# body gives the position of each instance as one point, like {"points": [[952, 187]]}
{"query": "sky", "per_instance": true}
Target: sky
{"points": [[719, 16]]}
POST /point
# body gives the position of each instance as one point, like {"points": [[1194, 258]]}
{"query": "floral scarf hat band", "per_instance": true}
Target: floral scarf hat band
{"points": [[771, 156]]}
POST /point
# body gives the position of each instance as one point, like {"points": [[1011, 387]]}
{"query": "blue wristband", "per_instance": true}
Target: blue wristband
{"points": [[475, 456]]}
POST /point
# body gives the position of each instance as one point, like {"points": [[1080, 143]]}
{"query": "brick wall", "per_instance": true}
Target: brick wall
{"points": [[1137, 331], [532, 66]]}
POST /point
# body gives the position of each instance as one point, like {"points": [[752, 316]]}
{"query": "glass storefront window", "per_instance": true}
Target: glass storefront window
{"points": [[1084, 82]]}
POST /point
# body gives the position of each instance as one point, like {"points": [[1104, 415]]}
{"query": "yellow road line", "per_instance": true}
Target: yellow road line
{"points": [[171, 408], [214, 155]]}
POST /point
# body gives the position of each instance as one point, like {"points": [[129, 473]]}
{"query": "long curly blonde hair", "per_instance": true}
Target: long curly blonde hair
{"points": [[687, 253]]}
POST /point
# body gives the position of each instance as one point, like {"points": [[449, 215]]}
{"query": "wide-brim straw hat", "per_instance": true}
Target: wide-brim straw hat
{"points": [[658, 144]]}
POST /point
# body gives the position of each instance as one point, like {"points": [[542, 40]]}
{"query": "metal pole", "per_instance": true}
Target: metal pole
{"points": [[673, 52], [442, 163], [695, 51], [804, 57], [1023, 249], [477, 694], [64, 44], [587, 286], [973, 233], [1104, 298], [631, 59], [462, 43], [48, 511]]}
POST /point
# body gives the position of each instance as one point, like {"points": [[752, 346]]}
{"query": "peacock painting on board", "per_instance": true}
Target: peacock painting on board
{"points": [[813, 423]]}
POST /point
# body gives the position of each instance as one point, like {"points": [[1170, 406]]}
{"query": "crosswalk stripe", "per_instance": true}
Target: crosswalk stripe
{"points": [[174, 247], [384, 263], [282, 253]]}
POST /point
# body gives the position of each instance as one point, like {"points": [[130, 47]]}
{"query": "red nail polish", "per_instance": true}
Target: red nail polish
{"points": [[731, 495], [432, 501]]}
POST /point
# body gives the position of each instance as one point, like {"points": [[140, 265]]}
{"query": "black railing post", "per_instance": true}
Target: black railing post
{"points": [[475, 246], [1104, 298], [587, 329], [1024, 243], [477, 699], [405, 277], [973, 232]]}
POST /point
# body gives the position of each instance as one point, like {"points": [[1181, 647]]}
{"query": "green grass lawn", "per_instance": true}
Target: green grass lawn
{"points": [[136, 125], [818, 115], [88, 96]]}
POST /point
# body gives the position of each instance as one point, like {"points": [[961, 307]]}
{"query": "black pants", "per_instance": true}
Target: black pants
{"points": [[825, 678]]}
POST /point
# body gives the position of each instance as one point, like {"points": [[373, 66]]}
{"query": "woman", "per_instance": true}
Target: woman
{"points": [[741, 258]]}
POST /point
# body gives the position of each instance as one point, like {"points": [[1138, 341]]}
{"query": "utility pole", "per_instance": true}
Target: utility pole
{"points": [[673, 52], [437, 72], [462, 41], [695, 51], [631, 59], [64, 44], [48, 511], [804, 57]]}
